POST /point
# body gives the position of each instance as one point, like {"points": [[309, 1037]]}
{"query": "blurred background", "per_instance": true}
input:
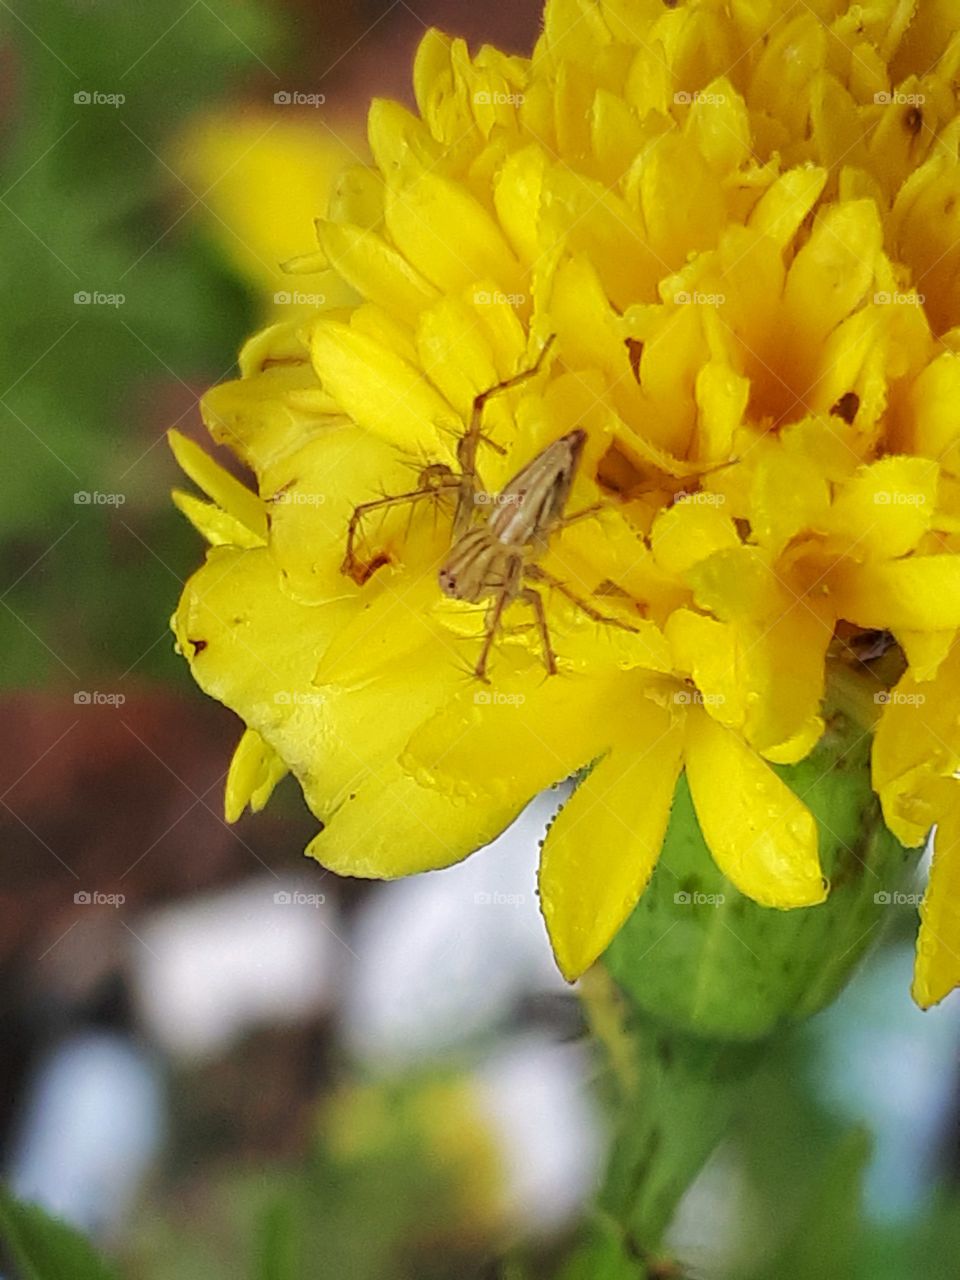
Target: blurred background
{"points": [[215, 1059]]}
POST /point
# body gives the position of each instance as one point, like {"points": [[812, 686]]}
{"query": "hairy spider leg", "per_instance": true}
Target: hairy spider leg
{"points": [[470, 440], [437, 485], [535, 572]]}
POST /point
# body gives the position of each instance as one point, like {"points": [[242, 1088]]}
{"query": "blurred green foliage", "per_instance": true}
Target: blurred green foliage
{"points": [[43, 1248], [89, 204]]}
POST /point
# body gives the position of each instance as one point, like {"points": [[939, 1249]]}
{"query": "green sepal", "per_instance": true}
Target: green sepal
{"points": [[706, 960]]}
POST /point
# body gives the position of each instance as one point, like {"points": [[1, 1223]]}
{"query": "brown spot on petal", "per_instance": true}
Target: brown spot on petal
{"points": [[847, 407], [913, 119], [198, 645], [635, 352]]}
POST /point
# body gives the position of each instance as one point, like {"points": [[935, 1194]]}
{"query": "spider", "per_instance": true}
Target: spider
{"points": [[497, 539]]}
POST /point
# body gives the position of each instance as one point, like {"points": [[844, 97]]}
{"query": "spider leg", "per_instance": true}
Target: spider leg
{"points": [[494, 616], [592, 510], [535, 601], [351, 566], [470, 440], [541, 575]]}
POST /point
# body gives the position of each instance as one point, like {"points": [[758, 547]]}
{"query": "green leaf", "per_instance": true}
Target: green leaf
{"points": [[44, 1248]]}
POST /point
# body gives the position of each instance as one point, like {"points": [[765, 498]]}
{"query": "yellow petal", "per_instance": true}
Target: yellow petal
{"points": [[379, 390], [781, 209], [254, 772], [762, 837], [832, 272], [217, 526], [925, 650], [390, 825], [217, 483], [602, 848], [256, 649], [937, 969], [919, 593], [375, 269], [525, 732], [448, 235], [689, 531], [886, 508], [917, 742]]}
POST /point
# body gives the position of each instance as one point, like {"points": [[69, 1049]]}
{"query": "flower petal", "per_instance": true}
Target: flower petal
{"points": [[919, 593], [379, 390], [217, 483], [937, 969], [603, 846], [254, 772], [763, 838]]}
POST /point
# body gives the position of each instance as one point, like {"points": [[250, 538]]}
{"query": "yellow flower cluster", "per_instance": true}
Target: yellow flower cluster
{"points": [[734, 225]]}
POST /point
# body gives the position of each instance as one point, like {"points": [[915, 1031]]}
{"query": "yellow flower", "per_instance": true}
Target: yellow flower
{"points": [[724, 232]]}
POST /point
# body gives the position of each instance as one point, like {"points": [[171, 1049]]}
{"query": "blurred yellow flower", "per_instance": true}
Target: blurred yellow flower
{"points": [[729, 233], [260, 178]]}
